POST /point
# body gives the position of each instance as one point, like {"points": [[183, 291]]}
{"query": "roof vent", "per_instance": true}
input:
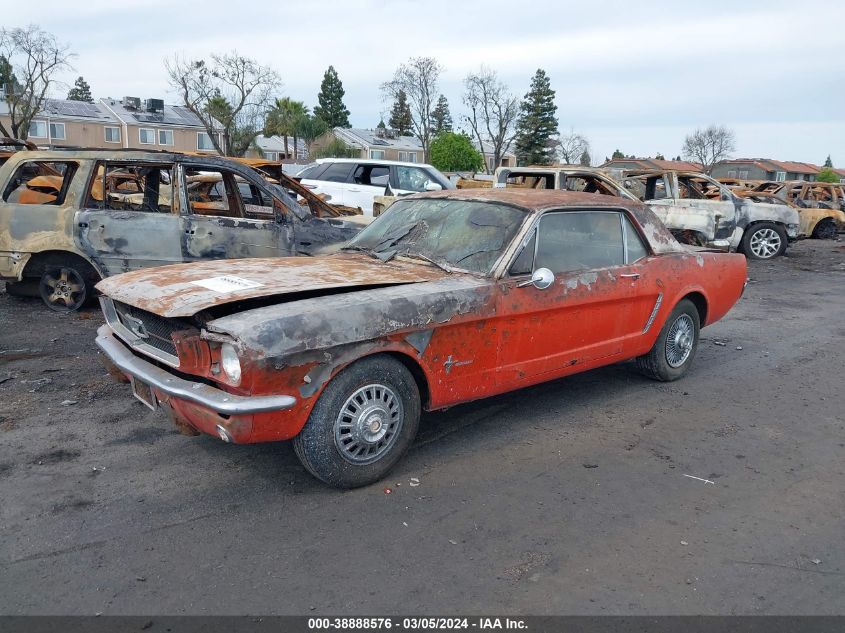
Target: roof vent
{"points": [[154, 105], [132, 103]]}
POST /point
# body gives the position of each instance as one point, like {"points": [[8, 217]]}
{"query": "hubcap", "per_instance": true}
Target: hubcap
{"points": [[680, 341], [765, 243], [368, 424], [63, 288]]}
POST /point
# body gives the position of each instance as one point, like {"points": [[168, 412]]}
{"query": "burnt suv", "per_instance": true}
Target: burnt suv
{"points": [[70, 218]]}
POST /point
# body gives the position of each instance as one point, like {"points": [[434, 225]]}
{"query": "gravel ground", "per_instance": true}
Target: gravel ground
{"points": [[570, 497]]}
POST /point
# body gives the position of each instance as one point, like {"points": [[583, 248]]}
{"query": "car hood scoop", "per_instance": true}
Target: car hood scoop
{"points": [[183, 290]]}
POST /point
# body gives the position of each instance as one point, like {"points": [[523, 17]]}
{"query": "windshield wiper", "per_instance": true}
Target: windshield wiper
{"points": [[361, 249], [441, 265]]}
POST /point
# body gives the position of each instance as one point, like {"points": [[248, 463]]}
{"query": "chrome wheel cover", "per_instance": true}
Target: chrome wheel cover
{"points": [[680, 341], [765, 243], [368, 424]]}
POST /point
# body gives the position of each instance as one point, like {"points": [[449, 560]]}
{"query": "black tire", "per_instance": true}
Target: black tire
{"points": [[661, 362], [327, 444], [67, 284], [764, 240], [27, 288], [825, 230]]}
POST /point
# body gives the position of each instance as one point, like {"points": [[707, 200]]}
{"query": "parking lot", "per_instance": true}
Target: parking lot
{"points": [[601, 493]]}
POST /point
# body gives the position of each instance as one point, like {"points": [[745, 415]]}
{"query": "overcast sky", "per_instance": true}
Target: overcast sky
{"points": [[636, 76]]}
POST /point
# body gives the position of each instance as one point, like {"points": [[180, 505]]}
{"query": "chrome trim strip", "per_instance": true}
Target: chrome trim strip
{"points": [[650, 321], [129, 337], [198, 392]]}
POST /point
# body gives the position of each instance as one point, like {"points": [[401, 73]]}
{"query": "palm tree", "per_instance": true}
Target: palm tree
{"points": [[285, 119]]}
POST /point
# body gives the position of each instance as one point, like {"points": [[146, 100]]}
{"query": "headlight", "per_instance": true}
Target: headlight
{"points": [[230, 363]]}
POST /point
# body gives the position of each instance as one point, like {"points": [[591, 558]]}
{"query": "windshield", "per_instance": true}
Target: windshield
{"points": [[459, 233]]}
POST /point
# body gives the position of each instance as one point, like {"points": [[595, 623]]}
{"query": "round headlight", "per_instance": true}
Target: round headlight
{"points": [[230, 363]]}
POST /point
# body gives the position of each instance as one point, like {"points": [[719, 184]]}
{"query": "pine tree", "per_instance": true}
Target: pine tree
{"points": [[81, 91], [331, 108], [441, 117], [585, 159], [537, 122], [401, 119], [828, 162], [617, 154]]}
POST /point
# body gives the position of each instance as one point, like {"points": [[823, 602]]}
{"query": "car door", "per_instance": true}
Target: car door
{"points": [[367, 182], [712, 218], [228, 216], [332, 181], [588, 316], [409, 179], [128, 219]]}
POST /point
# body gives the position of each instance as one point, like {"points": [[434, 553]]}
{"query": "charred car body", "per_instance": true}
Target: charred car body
{"points": [[566, 178], [701, 211], [70, 218], [445, 298], [821, 205]]}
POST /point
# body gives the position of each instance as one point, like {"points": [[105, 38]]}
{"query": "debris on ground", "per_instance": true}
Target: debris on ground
{"points": [[739, 348], [719, 343], [414, 481], [589, 465], [67, 403], [707, 481]]}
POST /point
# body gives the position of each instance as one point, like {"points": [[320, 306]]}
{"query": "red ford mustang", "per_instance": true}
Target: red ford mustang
{"points": [[445, 298]]}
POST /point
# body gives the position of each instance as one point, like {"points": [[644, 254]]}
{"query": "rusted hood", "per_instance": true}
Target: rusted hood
{"points": [[183, 290]]}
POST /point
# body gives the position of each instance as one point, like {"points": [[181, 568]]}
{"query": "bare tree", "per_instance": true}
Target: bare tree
{"points": [[29, 59], [493, 111], [418, 80], [230, 95], [709, 146], [571, 147]]}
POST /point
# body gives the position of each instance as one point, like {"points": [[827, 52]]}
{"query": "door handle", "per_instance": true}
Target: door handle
{"points": [[630, 275]]}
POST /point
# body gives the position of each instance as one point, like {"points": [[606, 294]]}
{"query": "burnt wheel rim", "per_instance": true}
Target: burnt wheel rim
{"points": [[368, 424], [765, 243], [63, 289], [680, 341], [826, 230]]}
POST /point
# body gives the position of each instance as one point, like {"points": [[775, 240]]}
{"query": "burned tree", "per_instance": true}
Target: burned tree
{"points": [[230, 95], [492, 112], [709, 146], [418, 80], [29, 59]]}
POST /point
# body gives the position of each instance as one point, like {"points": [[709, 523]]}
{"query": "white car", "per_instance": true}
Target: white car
{"points": [[355, 182]]}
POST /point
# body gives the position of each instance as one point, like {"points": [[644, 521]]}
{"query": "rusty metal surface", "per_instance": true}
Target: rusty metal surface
{"points": [[173, 291]]}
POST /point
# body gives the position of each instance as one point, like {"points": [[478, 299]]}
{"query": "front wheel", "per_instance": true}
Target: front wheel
{"points": [[672, 353], [364, 421], [65, 288], [764, 241]]}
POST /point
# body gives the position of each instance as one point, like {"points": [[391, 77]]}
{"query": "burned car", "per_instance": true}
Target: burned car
{"points": [[568, 178], [447, 297], [71, 218], [821, 205], [688, 206]]}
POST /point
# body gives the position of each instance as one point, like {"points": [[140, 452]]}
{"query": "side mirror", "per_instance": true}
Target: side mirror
{"points": [[433, 186], [541, 279]]}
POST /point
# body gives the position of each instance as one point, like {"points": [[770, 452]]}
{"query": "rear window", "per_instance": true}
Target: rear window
{"points": [[40, 182], [311, 172]]}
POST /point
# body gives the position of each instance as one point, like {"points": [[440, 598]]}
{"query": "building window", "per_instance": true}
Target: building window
{"points": [[38, 129], [408, 157], [204, 142], [112, 134], [732, 173], [377, 154], [743, 174], [780, 176], [57, 131], [165, 137], [491, 164], [147, 136], [271, 155]]}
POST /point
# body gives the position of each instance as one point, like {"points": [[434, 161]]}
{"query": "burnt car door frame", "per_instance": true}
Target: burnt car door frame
{"points": [[613, 301], [119, 240], [224, 237]]}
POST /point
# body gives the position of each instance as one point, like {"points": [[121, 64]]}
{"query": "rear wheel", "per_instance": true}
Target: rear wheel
{"points": [[66, 286], [825, 230], [672, 353], [364, 421], [764, 241]]}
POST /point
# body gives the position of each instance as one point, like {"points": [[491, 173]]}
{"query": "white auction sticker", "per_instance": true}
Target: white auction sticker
{"points": [[227, 283]]}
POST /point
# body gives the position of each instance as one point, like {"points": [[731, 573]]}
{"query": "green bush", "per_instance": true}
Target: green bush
{"points": [[451, 151]]}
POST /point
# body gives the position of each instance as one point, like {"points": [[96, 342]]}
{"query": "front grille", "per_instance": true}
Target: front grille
{"points": [[159, 329]]}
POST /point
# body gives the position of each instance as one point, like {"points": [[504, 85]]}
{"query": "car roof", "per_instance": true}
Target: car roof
{"points": [[535, 199], [371, 161]]}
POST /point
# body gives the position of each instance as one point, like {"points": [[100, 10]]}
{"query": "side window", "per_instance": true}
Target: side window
{"points": [[636, 248], [258, 204], [311, 172], [580, 240], [40, 182], [212, 192], [524, 262], [132, 187], [655, 189], [337, 172], [412, 178], [371, 175]]}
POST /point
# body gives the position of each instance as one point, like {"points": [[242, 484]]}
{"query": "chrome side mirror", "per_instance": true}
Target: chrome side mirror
{"points": [[433, 186], [541, 279]]}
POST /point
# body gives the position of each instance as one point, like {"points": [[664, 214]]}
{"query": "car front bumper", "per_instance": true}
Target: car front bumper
{"points": [[162, 381]]}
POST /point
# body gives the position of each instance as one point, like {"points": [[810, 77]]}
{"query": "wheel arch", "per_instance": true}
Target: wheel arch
{"points": [[38, 261], [698, 299]]}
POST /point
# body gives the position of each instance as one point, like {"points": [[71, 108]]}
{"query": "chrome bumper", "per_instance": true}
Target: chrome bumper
{"points": [[198, 392]]}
